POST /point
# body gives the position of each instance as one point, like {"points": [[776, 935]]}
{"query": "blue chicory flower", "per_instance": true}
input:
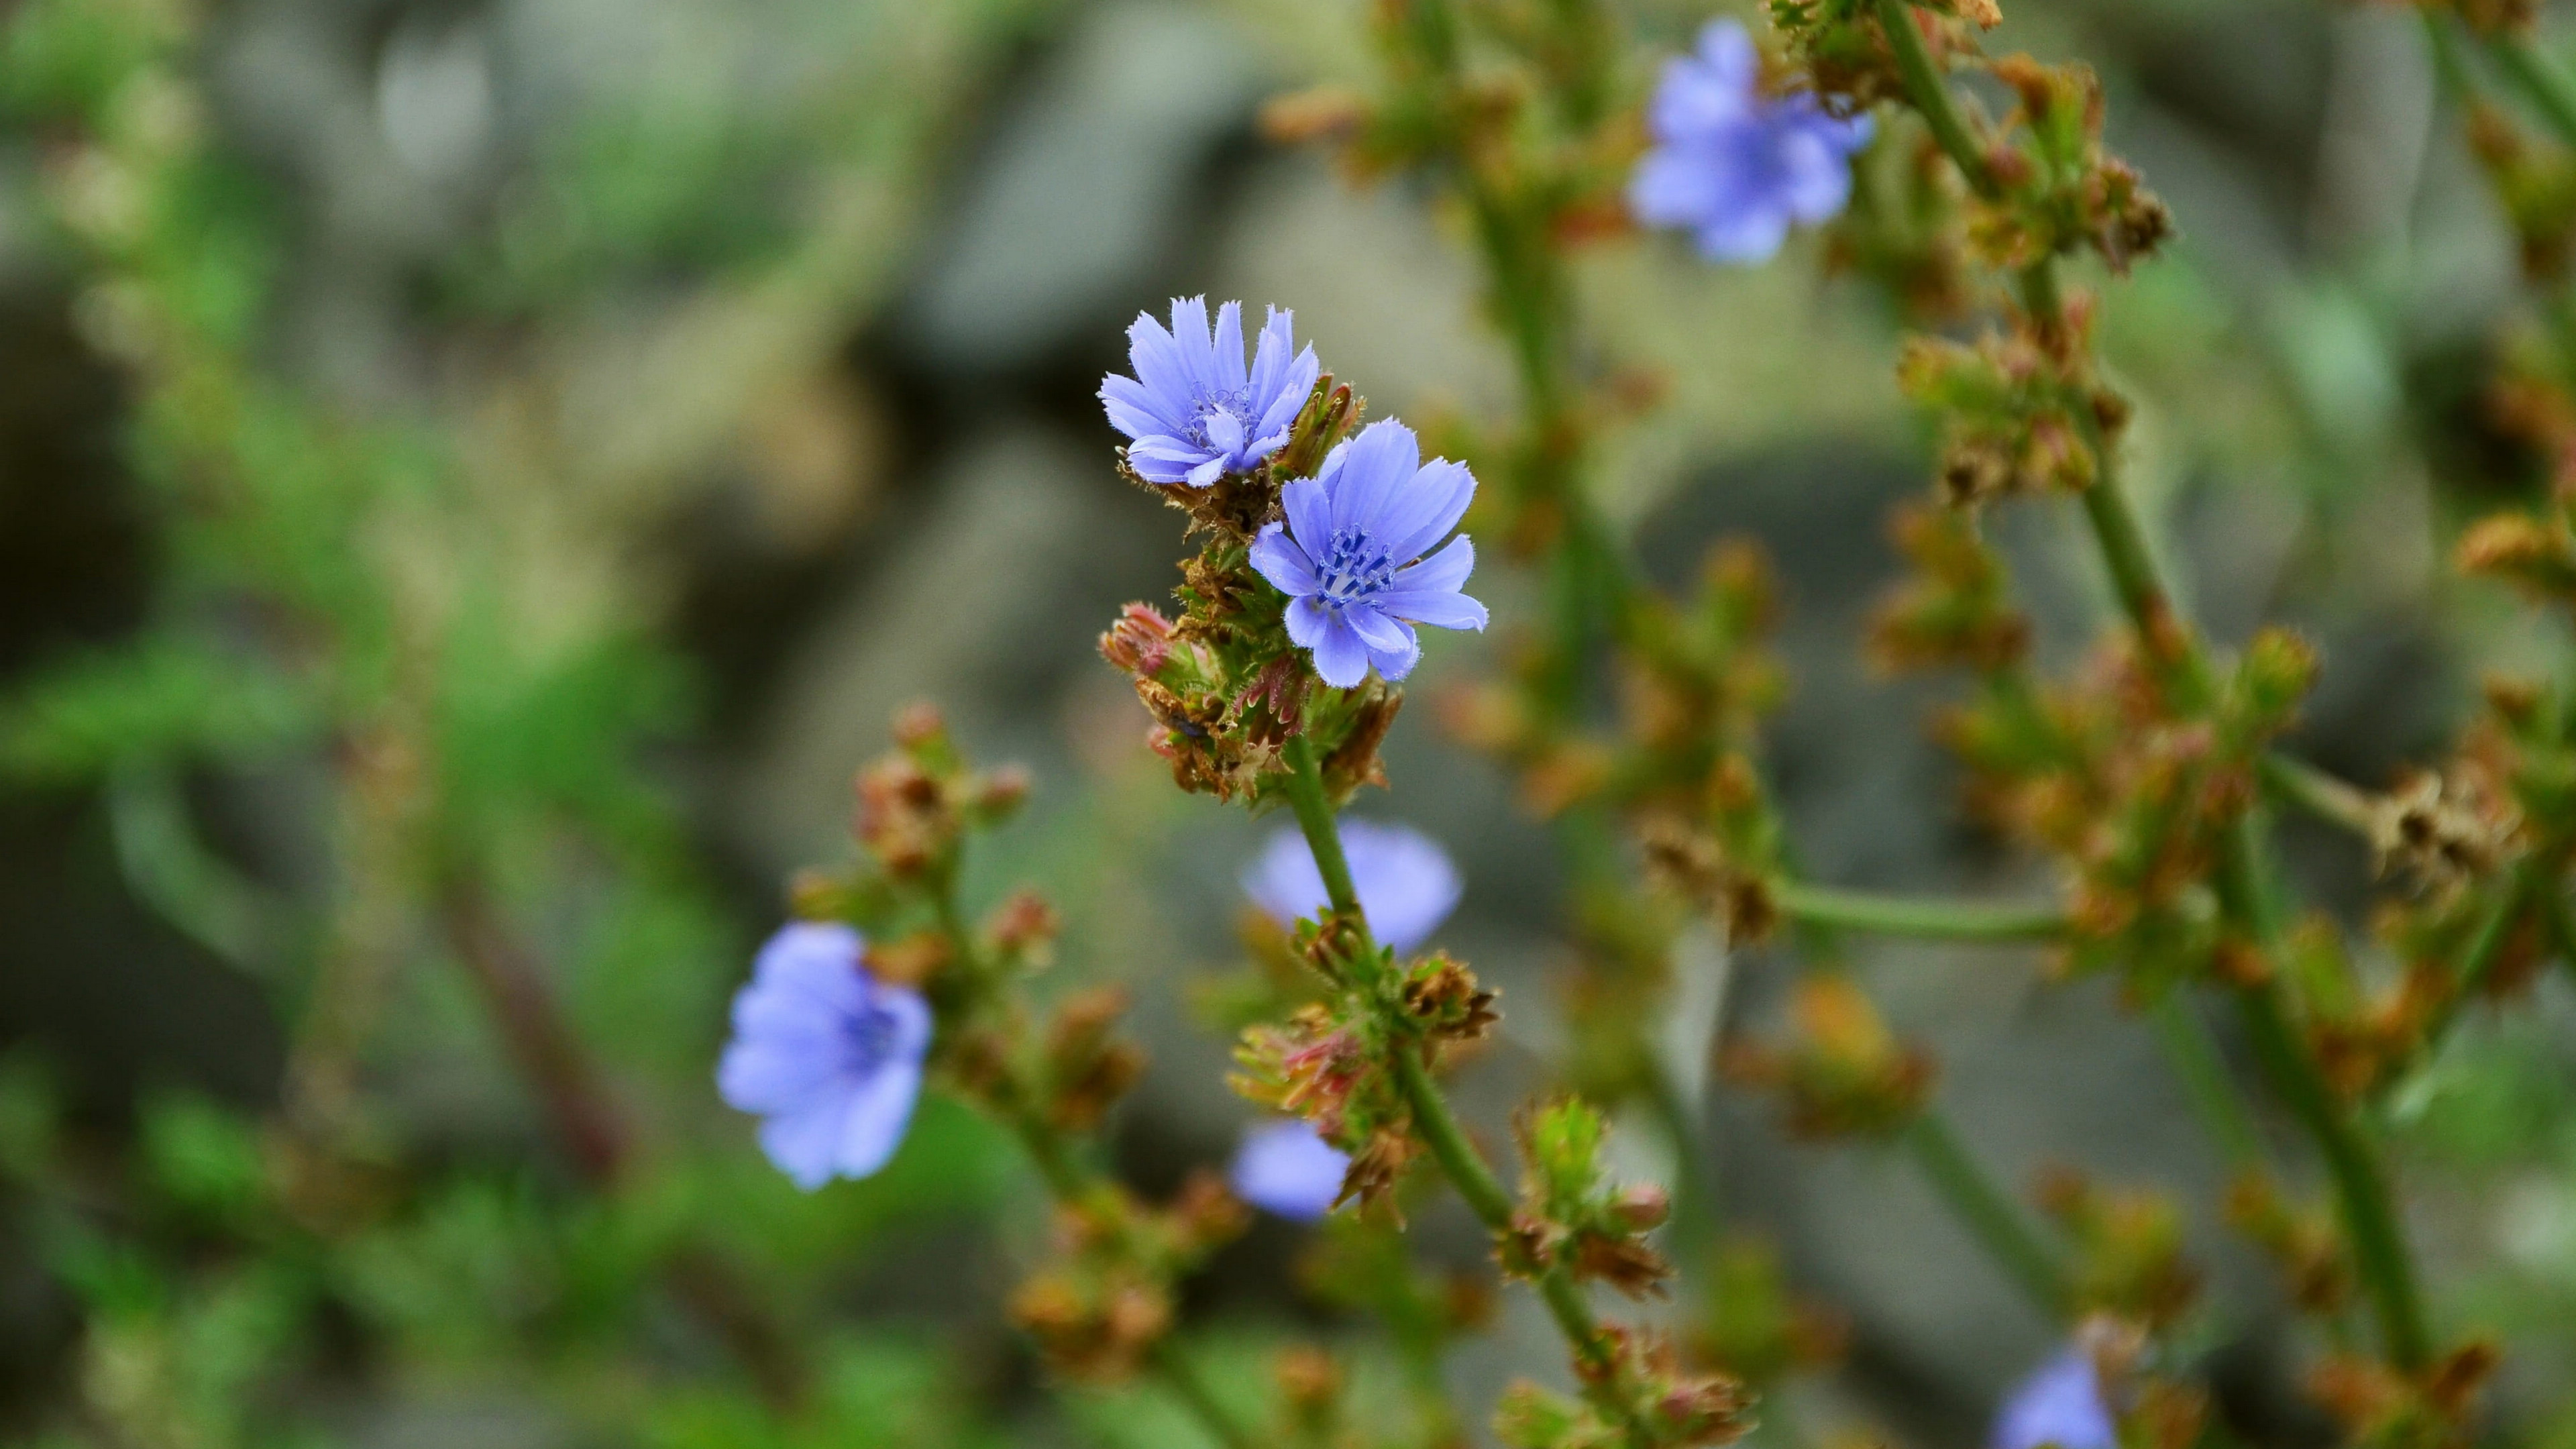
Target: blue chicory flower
{"points": [[1350, 555], [1192, 411], [1733, 166], [827, 1054], [1287, 1169], [1406, 884], [2060, 1404]]}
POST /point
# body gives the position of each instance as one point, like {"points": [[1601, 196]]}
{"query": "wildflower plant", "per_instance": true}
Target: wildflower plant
{"points": [[904, 1001]]}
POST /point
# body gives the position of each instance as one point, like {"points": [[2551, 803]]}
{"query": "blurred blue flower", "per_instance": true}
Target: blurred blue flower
{"points": [[1285, 1168], [2059, 1404], [1733, 166], [829, 1055], [1407, 885], [1347, 556], [1192, 411]]}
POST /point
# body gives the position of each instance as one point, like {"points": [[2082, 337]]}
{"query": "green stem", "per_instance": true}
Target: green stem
{"points": [[2448, 64], [1483, 1193], [2369, 1216], [1931, 95], [1434, 1122], [2331, 800], [2361, 1188], [1464, 1166], [1072, 1182], [2541, 83], [2122, 540], [2486, 947], [2206, 1081], [1697, 1217], [1314, 812], [2361, 1184], [1985, 1209], [1989, 1213], [1182, 1378], [2555, 919], [1928, 917]]}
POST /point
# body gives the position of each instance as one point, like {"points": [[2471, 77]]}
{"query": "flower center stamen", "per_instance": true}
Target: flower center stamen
{"points": [[1356, 568], [1236, 404], [867, 1036]]}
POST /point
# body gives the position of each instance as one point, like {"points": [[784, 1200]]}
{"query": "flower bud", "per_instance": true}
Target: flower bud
{"points": [[910, 960], [1643, 1206], [2516, 701], [1308, 1380], [919, 724], [1316, 113], [1206, 1214], [1139, 642], [1024, 925], [997, 793]]}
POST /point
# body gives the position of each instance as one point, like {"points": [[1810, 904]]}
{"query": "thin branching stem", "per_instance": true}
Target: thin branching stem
{"points": [[1181, 1377], [2555, 920], [2485, 949], [2538, 79], [2296, 782], [1433, 1119], [1956, 1177], [2207, 1084], [1931, 918], [1075, 1183], [1994, 1218], [592, 1131], [2368, 1210]]}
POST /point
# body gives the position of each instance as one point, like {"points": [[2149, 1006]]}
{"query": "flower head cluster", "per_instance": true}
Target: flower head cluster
{"points": [[1406, 883], [1350, 555], [2059, 1404], [1193, 411], [827, 1054], [1736, 167], [1407, 887]]}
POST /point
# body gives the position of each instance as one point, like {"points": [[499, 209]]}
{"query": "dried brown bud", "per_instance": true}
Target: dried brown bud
{"points": [[2458, 1377], [816, 895], [2240, 962], [1643, 1206], [1378, 1166], [918, 724], [1626, 1264], [903, 820], [2519, 549], [998, 792], [1308, 1380], [1206, 1214], [1023, 925], [1324, 112], [2446, 829], [909, 960], [2517, 701], [1138, 1315], [1140, 642], [1354, 762], [1088, 1071], [1444, 1000]]}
